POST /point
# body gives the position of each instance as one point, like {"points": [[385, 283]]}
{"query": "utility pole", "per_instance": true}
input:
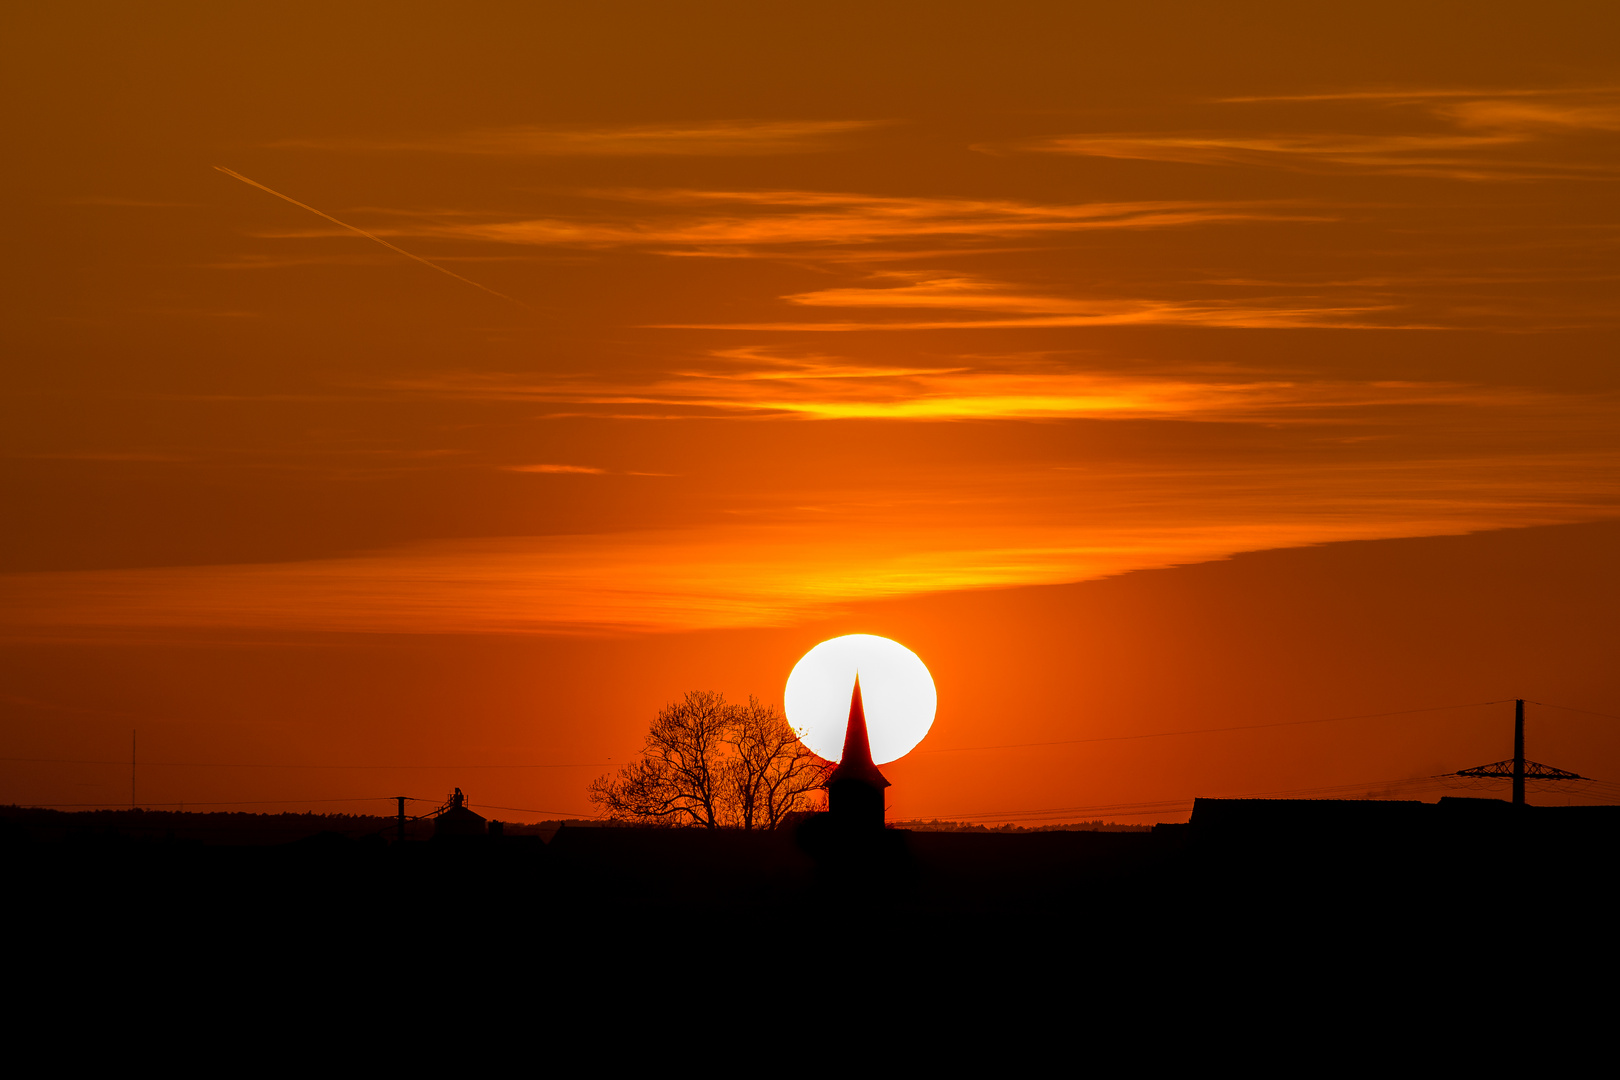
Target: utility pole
{"points": [[401, 833], [1518, 752], [132, 768]]}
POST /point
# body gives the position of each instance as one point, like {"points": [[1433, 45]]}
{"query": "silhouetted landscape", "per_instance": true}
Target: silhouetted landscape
{"points": [[1256, 876], [924, 511]]}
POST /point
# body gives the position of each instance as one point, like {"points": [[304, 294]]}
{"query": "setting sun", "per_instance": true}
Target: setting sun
{"points": [[460, 389], [896, 689]]}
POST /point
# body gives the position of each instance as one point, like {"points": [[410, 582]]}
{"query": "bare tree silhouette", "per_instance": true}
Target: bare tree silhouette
{"points": [[771, 773], [715, 765]]}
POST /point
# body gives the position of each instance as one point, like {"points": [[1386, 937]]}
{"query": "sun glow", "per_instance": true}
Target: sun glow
{"points": [[896, 690]]}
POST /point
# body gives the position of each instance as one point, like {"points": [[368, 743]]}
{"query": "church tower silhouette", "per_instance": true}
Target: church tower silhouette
{"points": [[855, 789]]}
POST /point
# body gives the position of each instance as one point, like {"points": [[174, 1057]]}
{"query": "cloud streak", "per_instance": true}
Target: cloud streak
{"points": [[770, 574], [726, 138], [695, 221], [586, 470], [1011, 307], [757, 383], [1469, 136]]}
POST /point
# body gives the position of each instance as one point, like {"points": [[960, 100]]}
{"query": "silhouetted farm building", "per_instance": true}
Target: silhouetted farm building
{"points": [[1389, 819], [457, 820]]}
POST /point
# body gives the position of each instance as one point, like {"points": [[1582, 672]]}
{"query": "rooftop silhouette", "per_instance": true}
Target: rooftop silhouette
{"points": [[855, 788]]}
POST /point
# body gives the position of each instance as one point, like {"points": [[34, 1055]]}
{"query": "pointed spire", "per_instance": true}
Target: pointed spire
{"points": [[856, 762]]}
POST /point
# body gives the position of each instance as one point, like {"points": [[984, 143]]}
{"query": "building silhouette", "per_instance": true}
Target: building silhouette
{"points": [[855, 788], [457, 819]]}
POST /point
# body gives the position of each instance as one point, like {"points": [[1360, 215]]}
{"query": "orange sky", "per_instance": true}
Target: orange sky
{"points": [[792, 322]]}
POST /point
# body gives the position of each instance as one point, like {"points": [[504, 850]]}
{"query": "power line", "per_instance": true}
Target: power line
{"points": [[251, 765], [377, 798], [931, 750], [1566, 708], [1140, 809], [1120, 809], [1207, 731], [1129, 809], [236, 802], [528, 810]]}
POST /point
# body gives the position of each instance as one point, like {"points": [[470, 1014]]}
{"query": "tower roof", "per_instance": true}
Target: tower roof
{"points": [[856, 763]]}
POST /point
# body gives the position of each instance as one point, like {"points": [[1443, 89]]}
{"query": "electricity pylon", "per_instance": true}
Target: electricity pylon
{"points": [[1516, 767]]}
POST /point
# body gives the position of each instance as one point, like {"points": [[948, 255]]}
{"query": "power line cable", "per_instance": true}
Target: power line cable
{"points": [[1208, 731], [931, 750], [1122, 809], [1566, 708], [528, 810], [234, 802], [251, 765]]}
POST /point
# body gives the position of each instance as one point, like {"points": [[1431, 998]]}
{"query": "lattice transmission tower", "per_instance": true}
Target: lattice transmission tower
{"points": [[1517, 768]]}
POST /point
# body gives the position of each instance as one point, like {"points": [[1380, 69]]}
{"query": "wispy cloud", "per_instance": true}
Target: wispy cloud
{"points": [[669, 581], [578, 470], [1464, 135], [1012, 307], [1404, 95], [758, 383], [695, 221], [1422, 155], [728, 138], [1533, 117], [777, 574]]}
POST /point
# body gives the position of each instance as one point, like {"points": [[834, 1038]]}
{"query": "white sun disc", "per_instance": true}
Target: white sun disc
{"points": [[896, 691]]}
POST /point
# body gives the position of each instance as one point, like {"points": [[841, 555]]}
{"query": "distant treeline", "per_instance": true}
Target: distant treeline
{"points": [[24, 824], [935, 825]]}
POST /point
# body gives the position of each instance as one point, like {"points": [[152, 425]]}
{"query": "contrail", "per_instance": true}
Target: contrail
{"points": [[369, 236]]}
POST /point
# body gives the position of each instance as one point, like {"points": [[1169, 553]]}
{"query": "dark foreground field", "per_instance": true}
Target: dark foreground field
{"points": [[1281, 883]]}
